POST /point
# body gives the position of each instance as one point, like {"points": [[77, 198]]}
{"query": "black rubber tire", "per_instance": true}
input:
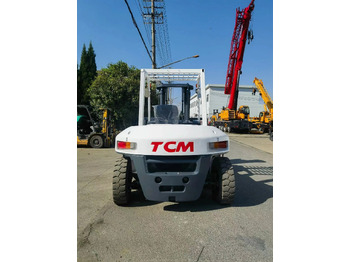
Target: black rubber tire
{"points": [[122, 182], [261, 129], [224, 181], [96, 141]]}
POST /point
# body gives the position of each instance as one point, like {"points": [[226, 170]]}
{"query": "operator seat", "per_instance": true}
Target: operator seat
{"points": [[166, 114]]}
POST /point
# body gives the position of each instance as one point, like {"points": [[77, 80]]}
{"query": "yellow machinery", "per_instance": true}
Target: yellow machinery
{"points": [[241, 113], [265, 119], [89, 133], [228, 120]]}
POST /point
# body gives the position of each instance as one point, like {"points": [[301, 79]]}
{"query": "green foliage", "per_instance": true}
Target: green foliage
{"points": [[91, 63], [86, 74], [117, 88]]}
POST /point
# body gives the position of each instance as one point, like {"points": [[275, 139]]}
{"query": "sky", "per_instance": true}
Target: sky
{"points": [[195, 27]]}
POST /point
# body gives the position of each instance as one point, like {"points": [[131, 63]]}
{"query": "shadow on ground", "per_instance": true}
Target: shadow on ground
{"points": [[249, 191]]}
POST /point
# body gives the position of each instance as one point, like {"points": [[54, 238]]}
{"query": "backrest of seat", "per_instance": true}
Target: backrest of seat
{"points": [[166, 114]]}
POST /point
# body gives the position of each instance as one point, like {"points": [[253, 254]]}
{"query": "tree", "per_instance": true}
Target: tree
{"points": [[92, 69], [86, 74], [80, 85], [117, 87]]}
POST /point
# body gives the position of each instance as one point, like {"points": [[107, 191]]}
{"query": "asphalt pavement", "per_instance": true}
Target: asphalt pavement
{"points": [[197, 231]]}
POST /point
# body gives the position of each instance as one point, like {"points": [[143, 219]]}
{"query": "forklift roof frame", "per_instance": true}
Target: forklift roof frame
{"points": [[169, 75]]}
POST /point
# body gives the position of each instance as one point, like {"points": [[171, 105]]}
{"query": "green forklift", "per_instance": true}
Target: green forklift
{"points": [[89, 133]]}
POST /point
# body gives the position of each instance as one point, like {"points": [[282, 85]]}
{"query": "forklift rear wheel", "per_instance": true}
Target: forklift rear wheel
{"points": [[224, 180], [96, 141], [122, 182]]}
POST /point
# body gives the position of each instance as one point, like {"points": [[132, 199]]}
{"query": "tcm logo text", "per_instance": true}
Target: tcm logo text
{"points": [[173, 146]]}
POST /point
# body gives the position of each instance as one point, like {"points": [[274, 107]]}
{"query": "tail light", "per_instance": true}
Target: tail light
{"points": [[218, 145], [126, 145]]}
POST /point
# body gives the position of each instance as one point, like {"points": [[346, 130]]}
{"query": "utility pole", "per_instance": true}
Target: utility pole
{"points": [[156, 18], [154, 65]]}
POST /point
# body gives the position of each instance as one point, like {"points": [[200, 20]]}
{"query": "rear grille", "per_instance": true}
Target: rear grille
{"points": [[171, 164]]}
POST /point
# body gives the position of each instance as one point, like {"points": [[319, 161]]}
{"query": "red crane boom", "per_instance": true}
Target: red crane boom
{"points": [[238, 42]]}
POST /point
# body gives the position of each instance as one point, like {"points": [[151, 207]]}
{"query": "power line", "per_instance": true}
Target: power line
{"points": [[135, 24], [154, 15], [148, 32]]}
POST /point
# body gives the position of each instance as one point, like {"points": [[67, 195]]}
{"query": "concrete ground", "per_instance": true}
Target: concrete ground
{"points": [[197, 231], [258, 141]]}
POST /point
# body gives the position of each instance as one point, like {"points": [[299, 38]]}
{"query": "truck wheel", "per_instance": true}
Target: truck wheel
{"points": [[224, 180], [96, 141], [122, 182]]}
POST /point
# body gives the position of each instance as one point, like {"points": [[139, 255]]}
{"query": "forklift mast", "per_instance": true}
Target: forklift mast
{"points": [[186, 96]]}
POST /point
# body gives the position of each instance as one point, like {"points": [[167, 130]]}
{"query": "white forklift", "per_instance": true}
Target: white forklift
{"points": [[169, 157]]}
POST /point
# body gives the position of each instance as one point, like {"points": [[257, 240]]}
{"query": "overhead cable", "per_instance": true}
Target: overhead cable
{"points": [[133, 19]]}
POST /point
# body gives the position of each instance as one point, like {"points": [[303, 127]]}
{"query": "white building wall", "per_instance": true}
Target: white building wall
{"points": [[194, 106], [245, 97], [216, 99]]}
